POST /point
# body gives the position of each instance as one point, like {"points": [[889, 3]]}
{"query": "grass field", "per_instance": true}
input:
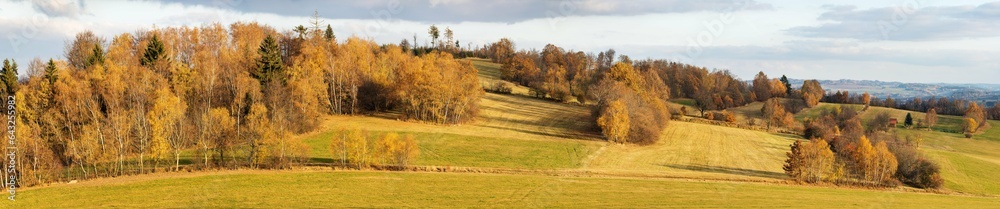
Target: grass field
{"points": [[699, 150], [489, 73], [288, 189], [967, 165], [443, 149]]}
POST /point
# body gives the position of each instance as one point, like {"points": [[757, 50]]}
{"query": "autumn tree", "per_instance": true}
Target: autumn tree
{"points": [[165, 117], [762, 87], [812, 92], [810, 161], [775, 115], [81, 48], [778, 89], [977, 113], [866, 99], [994, 112], [614, 122], [881, 122], [501, 50], [969, 126], [788, 85], [521, 69], [885, 163], [931, 117]]}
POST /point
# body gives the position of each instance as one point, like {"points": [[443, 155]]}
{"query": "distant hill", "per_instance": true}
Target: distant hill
{"points": [[983, 93]]}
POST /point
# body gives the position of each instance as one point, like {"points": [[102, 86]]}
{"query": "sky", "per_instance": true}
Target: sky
{"points": [[920, 41]]}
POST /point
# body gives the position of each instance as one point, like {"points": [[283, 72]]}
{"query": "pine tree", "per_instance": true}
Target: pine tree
{"points": [[909, 120], [97, 57], [329, 33], [269, 67], [154, 52], [10, 76]]}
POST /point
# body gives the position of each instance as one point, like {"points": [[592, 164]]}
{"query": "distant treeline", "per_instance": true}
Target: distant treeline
{"points": [[942, 105]]}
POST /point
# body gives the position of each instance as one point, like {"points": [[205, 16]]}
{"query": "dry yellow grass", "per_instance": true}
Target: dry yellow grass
{"points": [[699, 150], [501, 116]]}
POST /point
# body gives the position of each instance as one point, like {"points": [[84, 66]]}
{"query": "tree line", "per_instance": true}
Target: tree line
{"points": [[232, 96], [941, 105]]}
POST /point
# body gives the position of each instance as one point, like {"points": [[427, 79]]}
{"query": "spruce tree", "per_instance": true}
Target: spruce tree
{"points": [[909, 120], [154, 52], [10, 76], [329, 33], [269, 67]]}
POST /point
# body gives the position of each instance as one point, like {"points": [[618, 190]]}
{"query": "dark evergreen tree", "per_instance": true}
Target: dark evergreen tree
{"points": [[909, 120], [9, 76], [329, 33], [788, 86], [50, 72], [97, 57], [154, 52], [269, 67]]}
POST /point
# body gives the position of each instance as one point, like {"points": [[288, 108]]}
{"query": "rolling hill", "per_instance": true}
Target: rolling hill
{"points": [[526, 152]]}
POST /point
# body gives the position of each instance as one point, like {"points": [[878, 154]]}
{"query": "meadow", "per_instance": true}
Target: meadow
{"points": [[349, 189]]}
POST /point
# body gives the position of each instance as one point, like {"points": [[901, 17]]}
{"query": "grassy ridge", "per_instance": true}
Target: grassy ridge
{"points": [[448, 190]]}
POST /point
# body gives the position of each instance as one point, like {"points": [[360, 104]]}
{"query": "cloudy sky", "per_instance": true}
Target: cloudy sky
{"points": [[927, 41]]}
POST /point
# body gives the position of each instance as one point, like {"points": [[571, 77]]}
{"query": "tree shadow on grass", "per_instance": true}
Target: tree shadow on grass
{"points": [[321, 160], [728, 170]]}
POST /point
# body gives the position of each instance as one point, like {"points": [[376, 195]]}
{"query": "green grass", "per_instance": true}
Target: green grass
{"points": [[449, 190], [684, 101], [444, 149], [967, 165]]}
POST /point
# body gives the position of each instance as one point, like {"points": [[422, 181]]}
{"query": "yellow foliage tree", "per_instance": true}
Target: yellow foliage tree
{"points": [[615, 122], [164, 117], [885, 163], [970, 126]]}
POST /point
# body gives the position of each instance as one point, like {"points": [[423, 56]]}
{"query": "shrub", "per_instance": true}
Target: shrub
{"points": [[730, 117], [913, 169], [500, 87], [879, 123]]}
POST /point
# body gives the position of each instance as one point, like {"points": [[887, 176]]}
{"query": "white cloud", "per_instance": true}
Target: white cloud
{"points": [[909, 21], [64, 8]]}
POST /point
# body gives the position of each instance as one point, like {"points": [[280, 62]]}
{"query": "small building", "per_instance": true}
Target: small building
{"points": [[892, 122]]}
